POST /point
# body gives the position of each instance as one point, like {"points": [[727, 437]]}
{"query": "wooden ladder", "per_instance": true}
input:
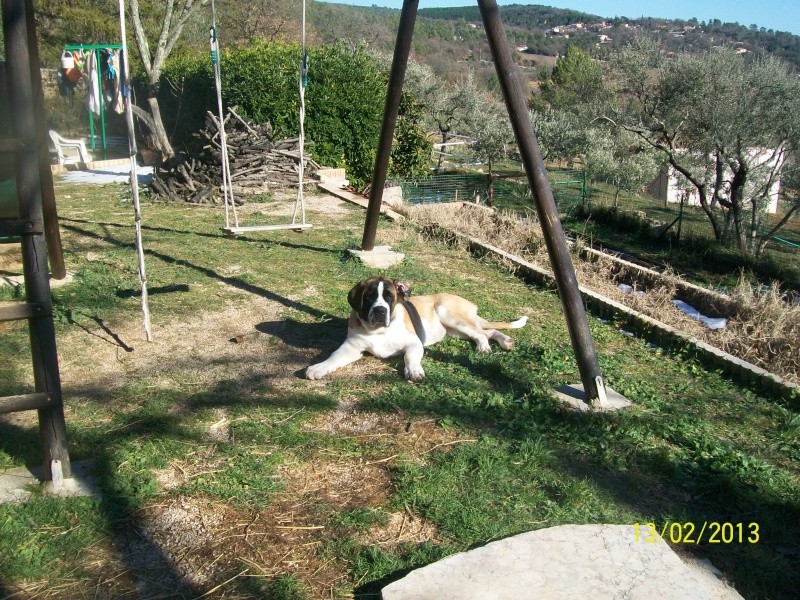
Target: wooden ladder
{"points": [[35, 228]]}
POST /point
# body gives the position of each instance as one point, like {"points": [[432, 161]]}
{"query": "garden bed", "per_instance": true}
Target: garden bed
{"points": [[763, 326]]}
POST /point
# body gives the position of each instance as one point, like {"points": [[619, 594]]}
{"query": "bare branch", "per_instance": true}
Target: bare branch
{"points": [[141, 39]]}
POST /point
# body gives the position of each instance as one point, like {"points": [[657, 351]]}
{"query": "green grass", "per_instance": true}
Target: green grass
{"points": [[503, 456]]}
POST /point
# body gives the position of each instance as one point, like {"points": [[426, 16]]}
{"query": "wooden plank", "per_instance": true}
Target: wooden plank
{"points": [[22, 402], [240, 230], [22, 310], [16, 227], [20, 35]]}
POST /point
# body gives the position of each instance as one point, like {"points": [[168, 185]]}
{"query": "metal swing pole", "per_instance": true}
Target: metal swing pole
{"points": [[567, 282], [134, 177], [577, 323]]}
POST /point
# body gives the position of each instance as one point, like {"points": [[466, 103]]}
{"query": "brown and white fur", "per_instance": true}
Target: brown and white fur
{"points": [[381, 324]]}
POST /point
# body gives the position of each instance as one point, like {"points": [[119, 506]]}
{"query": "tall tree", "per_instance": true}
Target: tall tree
{"points": [[168, 19], [729, 126], [575, 83]]}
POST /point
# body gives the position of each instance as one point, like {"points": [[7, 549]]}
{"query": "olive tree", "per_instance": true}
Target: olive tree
{"points": [[728, 124], [491, 128], [616, 158]]}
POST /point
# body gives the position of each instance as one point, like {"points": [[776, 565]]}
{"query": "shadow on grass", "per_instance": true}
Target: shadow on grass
{"points": [[206, 271], [324, 337], [241, 238], [154, 291], [649, 464], [113, 338], [23, 444], [151, 430]]}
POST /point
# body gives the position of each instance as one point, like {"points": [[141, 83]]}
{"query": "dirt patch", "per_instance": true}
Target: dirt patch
{"points": [[401, 527], [411, 437], [282, 204], [10, 259], [343, 485], [182, 531], [203, 541], [212, 347]]}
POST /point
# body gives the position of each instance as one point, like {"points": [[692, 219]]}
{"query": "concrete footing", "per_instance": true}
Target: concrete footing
{"points": [[574, 397], [380, 257], [601, 562], [17, 485]]}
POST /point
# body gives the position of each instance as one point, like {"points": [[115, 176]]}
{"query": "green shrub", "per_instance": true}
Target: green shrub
{"points": [[345, 97]]}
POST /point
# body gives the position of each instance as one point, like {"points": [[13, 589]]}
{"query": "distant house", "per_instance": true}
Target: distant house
{"points": [[672, 187]]}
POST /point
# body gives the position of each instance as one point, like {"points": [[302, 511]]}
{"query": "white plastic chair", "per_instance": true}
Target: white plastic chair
{"points": [[62, 144]]}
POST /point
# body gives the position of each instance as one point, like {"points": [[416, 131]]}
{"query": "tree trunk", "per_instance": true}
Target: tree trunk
{"points": [[726, 236], [702, 195], [171, 27], [445, 137], [159, 135], [737, 207]]}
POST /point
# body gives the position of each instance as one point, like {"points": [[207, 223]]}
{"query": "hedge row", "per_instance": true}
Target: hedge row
{"points": [[345, 96]]}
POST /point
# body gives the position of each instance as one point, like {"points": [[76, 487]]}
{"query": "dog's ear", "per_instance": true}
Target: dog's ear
{"points": [[356, 296], [403, 290]]}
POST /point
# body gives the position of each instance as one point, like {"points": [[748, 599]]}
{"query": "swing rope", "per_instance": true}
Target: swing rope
{"points": [[137, 209], [227, 186], [303, 80]]}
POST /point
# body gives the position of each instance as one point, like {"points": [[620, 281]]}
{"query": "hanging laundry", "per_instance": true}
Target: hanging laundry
{"points": [[125, 86], [69, 74], [115, 82], [93, 99], [74, 70], [105, 80], [66, 87]]}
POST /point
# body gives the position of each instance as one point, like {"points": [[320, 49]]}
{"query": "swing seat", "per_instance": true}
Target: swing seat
{"points": [[61, 144], [253, 228]]}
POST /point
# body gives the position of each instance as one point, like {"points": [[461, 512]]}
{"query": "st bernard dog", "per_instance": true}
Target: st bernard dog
{"points": [[386, 321]]}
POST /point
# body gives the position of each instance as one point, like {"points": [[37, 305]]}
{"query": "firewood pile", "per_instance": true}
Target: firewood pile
{"points": [[258, 164]]}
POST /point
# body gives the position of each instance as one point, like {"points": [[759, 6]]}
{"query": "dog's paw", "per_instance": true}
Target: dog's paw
{"points": [[505, 342], [483, 347], [317, 371], [414, 373]]}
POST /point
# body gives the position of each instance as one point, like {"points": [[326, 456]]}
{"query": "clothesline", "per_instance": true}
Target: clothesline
{"points": [[99, 73]]}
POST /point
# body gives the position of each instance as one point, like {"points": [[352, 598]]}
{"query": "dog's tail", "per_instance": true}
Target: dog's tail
{"points": [[504, 324]]}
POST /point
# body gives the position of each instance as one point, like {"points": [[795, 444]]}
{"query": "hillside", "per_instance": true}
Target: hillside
{"points": [[443, 36]]}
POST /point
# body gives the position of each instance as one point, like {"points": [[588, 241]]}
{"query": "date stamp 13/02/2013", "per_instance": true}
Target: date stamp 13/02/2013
{"points": [[708, 532]]}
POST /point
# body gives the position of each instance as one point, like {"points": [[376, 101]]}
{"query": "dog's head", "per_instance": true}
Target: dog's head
{"points": [[374, 299]]}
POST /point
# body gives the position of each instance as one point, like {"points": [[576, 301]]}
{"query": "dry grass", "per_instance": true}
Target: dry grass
{"points": [[763, 326]]}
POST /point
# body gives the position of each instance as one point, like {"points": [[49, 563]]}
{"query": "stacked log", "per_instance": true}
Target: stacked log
{"points": [[258, 164]]}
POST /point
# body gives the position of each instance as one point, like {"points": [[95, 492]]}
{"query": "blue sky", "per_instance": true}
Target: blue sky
{"points": [[780, 15]]}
